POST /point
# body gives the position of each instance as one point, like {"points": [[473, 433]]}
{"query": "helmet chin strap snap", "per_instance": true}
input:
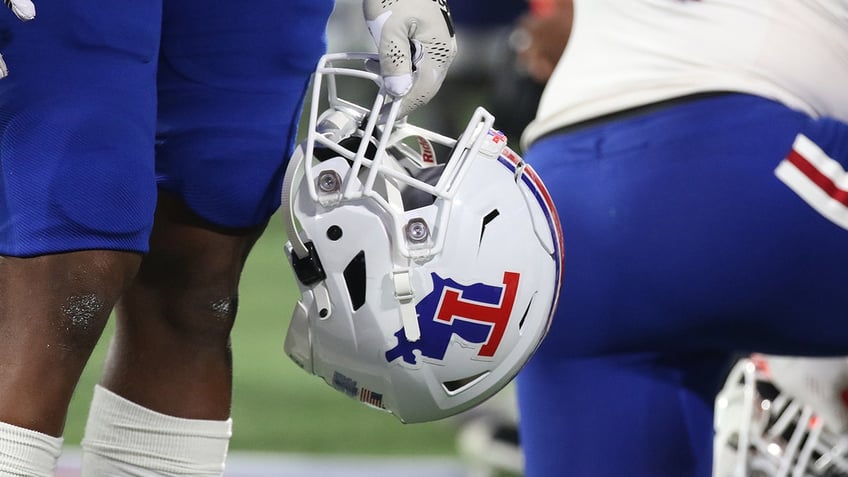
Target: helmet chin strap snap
{"points": [[405, 295], [322, 300]]}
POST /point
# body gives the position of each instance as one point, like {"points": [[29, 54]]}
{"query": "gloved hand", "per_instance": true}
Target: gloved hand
{"points": [[25, 10], [416, 45]]}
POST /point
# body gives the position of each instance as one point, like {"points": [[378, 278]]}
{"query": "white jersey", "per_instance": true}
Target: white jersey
{"points": [[628, 53]]}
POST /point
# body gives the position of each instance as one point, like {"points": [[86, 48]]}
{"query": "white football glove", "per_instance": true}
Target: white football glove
{"points": [[416, 45], [23, 9]]}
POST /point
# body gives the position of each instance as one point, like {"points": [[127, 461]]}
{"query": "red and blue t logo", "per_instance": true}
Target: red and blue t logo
{"points": [[477, 313]]}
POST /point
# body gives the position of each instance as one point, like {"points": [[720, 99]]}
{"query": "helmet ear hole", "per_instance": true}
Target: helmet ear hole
{"points": [[354, 275], [459, 385], [334, 233]]}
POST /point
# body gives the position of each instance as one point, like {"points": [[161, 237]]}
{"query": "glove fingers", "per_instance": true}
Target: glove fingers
{"points": [[395, 25], [428, 78], [4, 72], [396, 63], [392, 34]]}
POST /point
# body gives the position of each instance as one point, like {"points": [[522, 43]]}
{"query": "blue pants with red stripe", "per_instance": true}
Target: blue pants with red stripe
{"points": [[683, 249], [108, 101]]}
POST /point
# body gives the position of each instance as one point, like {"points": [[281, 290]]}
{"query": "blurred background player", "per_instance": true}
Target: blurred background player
{"points": [[696, 151], [508, 51], [142, 151]]}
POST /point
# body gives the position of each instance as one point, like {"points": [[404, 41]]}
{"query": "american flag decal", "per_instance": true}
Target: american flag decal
{"points": [[817, 178], [371, 398]]}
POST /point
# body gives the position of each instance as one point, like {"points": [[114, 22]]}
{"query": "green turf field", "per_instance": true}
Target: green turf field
{"points": [[276, 405]]}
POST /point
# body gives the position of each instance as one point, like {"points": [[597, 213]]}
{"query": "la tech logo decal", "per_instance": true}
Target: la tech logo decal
{"points": [[477, 313]]}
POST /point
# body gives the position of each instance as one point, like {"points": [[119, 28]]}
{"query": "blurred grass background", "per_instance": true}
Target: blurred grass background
{"points": [[276, 405]]}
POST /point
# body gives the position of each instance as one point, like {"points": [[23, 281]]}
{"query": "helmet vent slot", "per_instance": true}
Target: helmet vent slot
{"points": [[354, 275], [459, 385], [487, 220], [526, 312]]}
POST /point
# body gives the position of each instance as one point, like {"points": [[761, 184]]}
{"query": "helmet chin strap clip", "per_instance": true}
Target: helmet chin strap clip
{"points": [[310, 273], [405, 294], [308, 268]]}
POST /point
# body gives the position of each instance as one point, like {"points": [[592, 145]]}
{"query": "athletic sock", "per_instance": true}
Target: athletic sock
{"points": [[124, 438], [27, 453]]}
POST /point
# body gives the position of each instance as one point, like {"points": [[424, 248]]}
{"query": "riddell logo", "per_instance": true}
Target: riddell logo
{"points": [[476, 313], [428, 155]]}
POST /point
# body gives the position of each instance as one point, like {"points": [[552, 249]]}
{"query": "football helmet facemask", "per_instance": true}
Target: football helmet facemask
{"points": [[426, 280], [782, 417]]}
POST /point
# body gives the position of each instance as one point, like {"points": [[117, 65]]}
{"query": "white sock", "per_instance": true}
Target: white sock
{"points": [[27, 453], [123, 438]]}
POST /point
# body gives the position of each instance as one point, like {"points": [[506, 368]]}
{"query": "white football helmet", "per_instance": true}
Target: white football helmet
{"points": [[426, 281], [783, 417]]}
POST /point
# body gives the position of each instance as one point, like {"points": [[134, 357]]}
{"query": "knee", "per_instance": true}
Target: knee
{"points": [[82, 318], [188, 283], [84, 300], [193, 300], [205, 314]]}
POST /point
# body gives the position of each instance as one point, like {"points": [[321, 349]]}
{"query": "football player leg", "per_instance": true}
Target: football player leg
{"points": [[230, 90], [620, 414], [52, 311], [168, 373], [76, 204]]}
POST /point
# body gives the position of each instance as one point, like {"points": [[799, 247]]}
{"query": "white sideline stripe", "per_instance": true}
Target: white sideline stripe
{"points": [[258, 464]]}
